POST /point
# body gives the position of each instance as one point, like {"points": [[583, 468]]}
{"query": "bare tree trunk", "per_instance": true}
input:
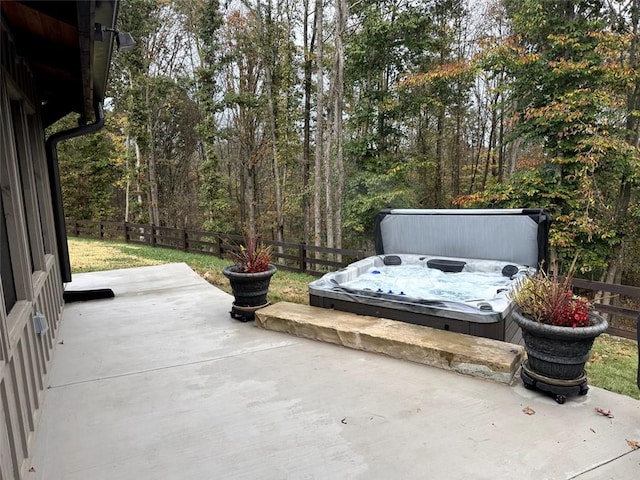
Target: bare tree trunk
{"points": [[139, 162], [552, 268], [154, 213], [614, 270], [317, 192], [328, 174], [501, 147], [513, 156], [329, 130], [476, 159], [488, 162], [128, 177], [269, 59], [342, 12], [455, 161], [306, 143], [476, 142], [437, 190], [277, 177], [241, 196], [250, 200]]}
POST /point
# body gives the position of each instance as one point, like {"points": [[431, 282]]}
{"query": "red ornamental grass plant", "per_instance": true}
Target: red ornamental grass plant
{"points": [[548, 300], [252, 257]]}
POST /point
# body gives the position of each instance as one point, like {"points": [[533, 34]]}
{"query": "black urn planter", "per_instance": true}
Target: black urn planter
{"points": [[249, 290], [556, 356]]}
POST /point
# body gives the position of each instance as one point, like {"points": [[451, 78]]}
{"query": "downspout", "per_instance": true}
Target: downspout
{"points": [[51, 147]]}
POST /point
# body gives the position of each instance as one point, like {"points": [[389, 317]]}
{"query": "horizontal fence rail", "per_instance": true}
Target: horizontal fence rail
{"points": [[300, 257], [296, 257], [613, 290]]}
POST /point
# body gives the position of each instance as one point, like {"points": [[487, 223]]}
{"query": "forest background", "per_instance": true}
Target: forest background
{"points": [[301, 119]]}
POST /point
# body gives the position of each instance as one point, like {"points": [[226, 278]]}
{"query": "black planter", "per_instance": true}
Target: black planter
{"points": [[559, 352], [249, 289]]}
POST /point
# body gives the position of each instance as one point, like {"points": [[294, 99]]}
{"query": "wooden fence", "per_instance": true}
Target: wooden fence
{"points": [[300, 257], [627, 327], [297, 257]]}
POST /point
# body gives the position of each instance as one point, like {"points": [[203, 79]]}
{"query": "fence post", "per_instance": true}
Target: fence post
{"points": [[126, 232], [302, 256], [152, 238], [101, 227], [185, 240], [77, 227], [219, 246]]}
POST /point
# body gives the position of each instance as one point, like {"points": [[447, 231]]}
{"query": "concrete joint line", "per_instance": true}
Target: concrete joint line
{"points": [[168, 367], [602, 464]]}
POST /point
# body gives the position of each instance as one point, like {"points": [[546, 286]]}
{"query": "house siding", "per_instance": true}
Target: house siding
{"points": [[25, 355]]}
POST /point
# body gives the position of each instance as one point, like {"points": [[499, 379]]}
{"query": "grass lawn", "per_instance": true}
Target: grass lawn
{"points": [[95, 255], [613, 365], [613, 360]]}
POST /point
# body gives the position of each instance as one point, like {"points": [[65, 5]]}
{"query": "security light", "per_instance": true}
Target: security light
{"points": [[124, 40]]}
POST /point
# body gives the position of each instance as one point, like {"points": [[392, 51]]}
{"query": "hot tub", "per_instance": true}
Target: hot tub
{"points": [[446, 269]]}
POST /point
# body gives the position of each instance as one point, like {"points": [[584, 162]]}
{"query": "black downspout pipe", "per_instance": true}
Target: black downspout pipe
{"points": [[56, 189]]}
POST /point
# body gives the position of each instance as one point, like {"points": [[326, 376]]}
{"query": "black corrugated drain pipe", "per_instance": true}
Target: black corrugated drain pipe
{"points": [[51, 147]]}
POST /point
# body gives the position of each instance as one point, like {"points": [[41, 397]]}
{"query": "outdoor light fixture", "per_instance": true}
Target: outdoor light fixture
{"points": [[124, 40]]}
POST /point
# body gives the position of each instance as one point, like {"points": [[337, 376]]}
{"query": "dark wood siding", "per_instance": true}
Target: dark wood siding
{"points": [[30, 282]]}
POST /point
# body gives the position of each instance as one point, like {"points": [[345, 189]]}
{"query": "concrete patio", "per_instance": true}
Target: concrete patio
{"points": [[160, 383]]}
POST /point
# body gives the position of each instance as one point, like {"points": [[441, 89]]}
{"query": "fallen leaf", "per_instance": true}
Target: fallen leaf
{"points": [[633, 444], [604, 413], [33, 469], [592, 430], [529, 411], [344, 420], [61, 342]]}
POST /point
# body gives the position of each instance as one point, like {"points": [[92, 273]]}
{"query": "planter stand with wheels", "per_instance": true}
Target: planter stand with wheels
{"points": [[245, 314], [556, 355], [559, 389]]}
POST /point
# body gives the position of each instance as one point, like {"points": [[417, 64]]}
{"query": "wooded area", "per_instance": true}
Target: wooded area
{"points": [[301, 119]]}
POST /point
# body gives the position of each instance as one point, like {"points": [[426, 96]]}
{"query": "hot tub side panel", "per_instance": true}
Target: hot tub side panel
{"points": [[505, 330]]}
